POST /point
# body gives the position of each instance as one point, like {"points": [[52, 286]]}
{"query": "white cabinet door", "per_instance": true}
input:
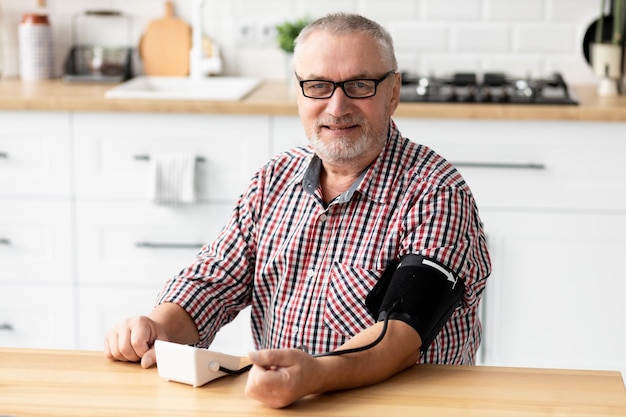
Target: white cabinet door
{"points": [[555, 298], [40, 316], [34, 154], [137, 244], [553, 165], [35, 241], [111, 151]]}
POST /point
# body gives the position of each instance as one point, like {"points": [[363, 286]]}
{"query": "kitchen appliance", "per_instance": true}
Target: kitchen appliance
{"points": [[490, 87], [94, 59]]}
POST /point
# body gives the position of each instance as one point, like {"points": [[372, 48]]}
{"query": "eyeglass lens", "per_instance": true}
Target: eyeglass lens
{"points": [[354, 88]]}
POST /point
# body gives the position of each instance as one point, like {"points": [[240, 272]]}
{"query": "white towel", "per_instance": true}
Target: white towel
{"points": [[172, 178]]}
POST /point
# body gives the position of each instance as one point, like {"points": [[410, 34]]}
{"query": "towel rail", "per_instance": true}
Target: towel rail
{"points": [[147, 158]]}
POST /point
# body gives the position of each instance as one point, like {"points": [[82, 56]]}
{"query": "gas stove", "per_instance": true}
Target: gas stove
{"points": [[490, 87]]}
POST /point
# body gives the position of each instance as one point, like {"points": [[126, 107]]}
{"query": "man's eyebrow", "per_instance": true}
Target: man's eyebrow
{"points": [[358, 76]]}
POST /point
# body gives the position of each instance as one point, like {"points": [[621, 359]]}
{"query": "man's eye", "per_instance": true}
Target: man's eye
{"points": [[319, 86], [359, 84]]}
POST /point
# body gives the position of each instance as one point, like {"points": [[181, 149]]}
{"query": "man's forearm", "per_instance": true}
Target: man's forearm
{"points": [[398, 350], [281, 376]]}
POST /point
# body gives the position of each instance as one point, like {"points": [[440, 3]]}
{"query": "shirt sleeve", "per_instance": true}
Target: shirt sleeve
{"points": [[217, 285], [444, 224]]}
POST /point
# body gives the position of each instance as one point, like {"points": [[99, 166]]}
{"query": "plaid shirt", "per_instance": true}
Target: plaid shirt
{"points": [[306, 266]]}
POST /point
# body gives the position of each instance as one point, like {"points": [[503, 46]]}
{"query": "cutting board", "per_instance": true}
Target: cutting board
{"points": [[164, 46]]}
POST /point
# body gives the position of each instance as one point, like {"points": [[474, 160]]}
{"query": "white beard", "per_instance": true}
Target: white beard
{"points": [[344, 149]]}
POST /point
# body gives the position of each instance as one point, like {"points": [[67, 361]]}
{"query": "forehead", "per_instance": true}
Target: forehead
{"points": [[339, 56]]}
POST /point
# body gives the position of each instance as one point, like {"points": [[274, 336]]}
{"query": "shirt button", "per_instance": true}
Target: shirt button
{"points": [[323, 218], [310, 273], [295, 330]]}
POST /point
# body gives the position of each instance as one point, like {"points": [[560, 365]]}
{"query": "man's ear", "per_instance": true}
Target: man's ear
{"points": [[394, 99]]}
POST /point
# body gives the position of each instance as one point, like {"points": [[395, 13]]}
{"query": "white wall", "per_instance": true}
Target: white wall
{"points": [[522, 37]]}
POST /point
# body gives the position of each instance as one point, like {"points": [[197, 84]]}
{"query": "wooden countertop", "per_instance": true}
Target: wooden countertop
{"points": [[272, 98], [81, 383]]}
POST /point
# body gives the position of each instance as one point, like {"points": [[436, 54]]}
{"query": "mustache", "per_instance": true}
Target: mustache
{"points": [[345, 120]]}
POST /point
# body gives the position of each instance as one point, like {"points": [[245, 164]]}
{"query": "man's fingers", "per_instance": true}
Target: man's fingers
{"points": [[149, 358], [279, 377], [131, 340], [275, 358]]}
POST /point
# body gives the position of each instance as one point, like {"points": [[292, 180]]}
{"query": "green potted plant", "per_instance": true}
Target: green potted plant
{"points": [[287, 32], [607, 50]]}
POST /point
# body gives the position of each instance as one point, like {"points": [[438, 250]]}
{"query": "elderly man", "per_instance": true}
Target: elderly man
{"points": [[361, 254]]}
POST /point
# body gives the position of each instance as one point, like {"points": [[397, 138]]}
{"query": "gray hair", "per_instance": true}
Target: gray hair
{"points": [[347, 23]]}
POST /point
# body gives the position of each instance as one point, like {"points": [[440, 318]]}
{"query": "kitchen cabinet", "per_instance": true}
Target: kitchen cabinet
{"points": [[35, 185], [139, 243], [37, 294], [35, 241], [81, 244], [38, 316], [35, 148], [113, 152], [556, 294], [128, 246], [552, 196]]}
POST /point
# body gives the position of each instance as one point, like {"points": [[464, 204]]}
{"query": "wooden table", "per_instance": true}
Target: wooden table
{"points": [[81, 383]]}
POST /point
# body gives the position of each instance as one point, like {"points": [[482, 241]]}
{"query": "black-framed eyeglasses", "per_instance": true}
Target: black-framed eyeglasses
{"points": [[357, 88]]}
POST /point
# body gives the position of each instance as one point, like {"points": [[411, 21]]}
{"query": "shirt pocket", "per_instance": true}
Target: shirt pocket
{"points": [[345, 310]]}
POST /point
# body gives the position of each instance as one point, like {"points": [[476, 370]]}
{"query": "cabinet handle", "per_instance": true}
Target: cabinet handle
{"points": [[147, 158], [4, 155], [157, 245], [6, 326], [4, 241], [500, 165]]}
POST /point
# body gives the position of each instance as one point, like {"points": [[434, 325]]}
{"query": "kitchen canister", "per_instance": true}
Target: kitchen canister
{"points": [[35, 43]]}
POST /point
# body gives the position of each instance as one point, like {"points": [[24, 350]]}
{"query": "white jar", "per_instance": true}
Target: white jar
{"points": [[36, 50]]}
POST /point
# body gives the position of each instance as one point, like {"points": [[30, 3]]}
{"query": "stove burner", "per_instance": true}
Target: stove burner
{"points": [[493, 87]]}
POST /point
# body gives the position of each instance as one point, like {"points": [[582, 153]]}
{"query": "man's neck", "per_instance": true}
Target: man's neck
{"points": [[337, 179]]}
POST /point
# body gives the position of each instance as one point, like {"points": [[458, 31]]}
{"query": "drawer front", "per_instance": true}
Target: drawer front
{"points": [[113, 151], [35, 241], [37, 316], [532, 164], [34, 154], [139, 243]]}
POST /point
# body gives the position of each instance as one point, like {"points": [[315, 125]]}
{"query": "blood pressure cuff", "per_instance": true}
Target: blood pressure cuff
{"points": [[428, 294]]}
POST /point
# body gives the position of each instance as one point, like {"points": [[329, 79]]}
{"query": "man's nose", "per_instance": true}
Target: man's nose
{"points": [[338, 104]]}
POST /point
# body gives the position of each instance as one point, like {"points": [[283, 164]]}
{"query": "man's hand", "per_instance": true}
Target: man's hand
{"points": [[282, 376], [133, 339]]}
